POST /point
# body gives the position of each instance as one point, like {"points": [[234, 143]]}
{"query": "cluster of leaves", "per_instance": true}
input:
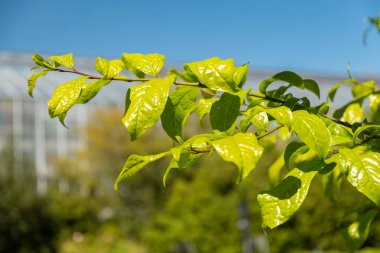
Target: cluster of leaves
{"points": [[344, 145]]}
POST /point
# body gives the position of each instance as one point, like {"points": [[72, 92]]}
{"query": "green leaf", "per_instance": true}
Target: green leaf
{"points": [[147, 102], [357, 232], [312, 86], [204, 107], [258, 117], [64, 60], [33, 79], [332, 182], [360, 130], [65, 96], [353, 113], [362, 88], [40, 61], [178, 107], [240, 75], [286, 76], [274, 171], [109, 69], [141, 64], [242, 149], [312, 131], [90, 90], [280, 203], [218, 74], [334, 89], [283, 115], [134, 164], [224, 112], [185, 160], [339, 133], [374, 102], [362, 169], [188, 76], [290, 150]]}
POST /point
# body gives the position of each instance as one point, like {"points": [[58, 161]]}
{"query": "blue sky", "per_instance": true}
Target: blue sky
{"points": [[303, 35]]}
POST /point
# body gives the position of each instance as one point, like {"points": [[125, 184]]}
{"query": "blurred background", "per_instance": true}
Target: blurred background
{"points": [[56, 184]]}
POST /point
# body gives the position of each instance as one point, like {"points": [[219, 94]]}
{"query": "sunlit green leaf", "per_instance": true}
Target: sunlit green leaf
{"points": [[280, 203], [283, 115], [141, 64], [188, 76], [332, 182], [353, 113], [363, 170], [240, 75], [224, 112], [33, 79], [64, 60], [374, 103], [146, 103], [218, 74], [65, 96], [90, 90], [334, 89], [362, 88], [109, 69], [242, 149], [339, 133], [178, 107], [134, 164], [185, 160], [274, 170], [204, 107], [258, 117], [357, 232], [312, 131], [40, 61]]}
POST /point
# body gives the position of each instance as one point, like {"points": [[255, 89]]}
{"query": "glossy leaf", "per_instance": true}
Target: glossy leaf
{"points": [[146, 104], [218, 74], [141, 64], [90, 90], [334, 89], [40, 61], [64, 60], [280, 203], [242, 149], [224, 112], [257, 117], [109, 69], [353, 113], [283, 115], [134, 164], [363, 170], [204, 107], [357, 232], [178, 107], [312, 131], [65, 96], [339, 133], [361, 129], [33, 79]]}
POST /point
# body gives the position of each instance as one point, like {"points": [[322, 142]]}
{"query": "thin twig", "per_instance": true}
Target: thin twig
{"points": [[269, 132]]}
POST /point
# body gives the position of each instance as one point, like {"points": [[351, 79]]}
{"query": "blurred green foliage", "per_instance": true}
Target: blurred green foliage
{"points": [[198, 211]]}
